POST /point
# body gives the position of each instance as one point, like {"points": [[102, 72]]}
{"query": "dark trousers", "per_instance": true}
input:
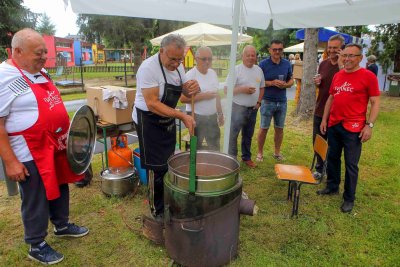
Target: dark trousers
{"points": [[36, 209], [156, 191], [340, 139], [243, 119], [207, 128], [316, 123]]}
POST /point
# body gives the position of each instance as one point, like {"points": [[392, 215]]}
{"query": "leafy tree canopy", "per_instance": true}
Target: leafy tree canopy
{"points": [[386, 46], [45, 25], [356, 31], [13, 17]]}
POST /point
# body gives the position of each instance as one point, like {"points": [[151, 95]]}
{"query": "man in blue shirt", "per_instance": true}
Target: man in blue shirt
{"points": [[278, 77]]}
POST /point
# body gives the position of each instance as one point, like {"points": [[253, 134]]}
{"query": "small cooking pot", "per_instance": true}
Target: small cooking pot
{"points": [[117, 183]]}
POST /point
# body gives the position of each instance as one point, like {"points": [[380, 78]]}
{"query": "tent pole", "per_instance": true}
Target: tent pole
{"points": [[231, 75]]}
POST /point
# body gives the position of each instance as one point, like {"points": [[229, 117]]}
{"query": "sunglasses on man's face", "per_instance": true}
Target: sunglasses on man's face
{"points": [[277, 49]]}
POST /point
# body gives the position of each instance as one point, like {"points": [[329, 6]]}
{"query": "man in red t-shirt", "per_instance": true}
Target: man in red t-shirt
{"points": [[326, 70], [351, 90]]}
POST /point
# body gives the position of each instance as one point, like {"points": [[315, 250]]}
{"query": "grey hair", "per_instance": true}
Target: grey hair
{"points": [[20, 37], [247, 47], [202, 48], [174, 39], [371, 58], [338, 37], [354, 45]]}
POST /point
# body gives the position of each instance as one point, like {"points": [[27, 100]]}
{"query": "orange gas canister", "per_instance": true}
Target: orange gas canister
{"points": [[120, 155]]}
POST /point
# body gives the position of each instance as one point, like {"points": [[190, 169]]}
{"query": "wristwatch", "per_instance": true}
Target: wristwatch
{"points": [[370, 124]]}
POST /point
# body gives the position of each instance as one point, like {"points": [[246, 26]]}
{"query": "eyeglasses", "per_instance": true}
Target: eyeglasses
{"points": [[209, 59], [177, 60], [350, 56], [277, 49]]}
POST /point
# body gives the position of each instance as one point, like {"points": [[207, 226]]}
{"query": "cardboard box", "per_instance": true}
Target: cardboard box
{"points": [[105, 109], [298, 70]]}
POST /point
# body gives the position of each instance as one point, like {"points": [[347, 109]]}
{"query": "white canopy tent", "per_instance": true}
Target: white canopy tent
{"points": [[254, 13], [206, 34], [250, 13], [299, 48]]}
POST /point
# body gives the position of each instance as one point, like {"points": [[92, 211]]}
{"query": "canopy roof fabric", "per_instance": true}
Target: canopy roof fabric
{"points": [[255, 13], [299, 48], [205, 34], [325, 34]]}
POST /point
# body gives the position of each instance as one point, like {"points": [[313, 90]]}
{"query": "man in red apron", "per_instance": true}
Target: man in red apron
{"points": [[33, 130], [161, 80]]}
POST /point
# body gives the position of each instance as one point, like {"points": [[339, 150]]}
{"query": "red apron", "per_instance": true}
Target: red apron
{"points": [[46, 139]]}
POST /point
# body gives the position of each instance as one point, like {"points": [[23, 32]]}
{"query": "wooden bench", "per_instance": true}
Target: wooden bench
{"points": [[121, 77]]}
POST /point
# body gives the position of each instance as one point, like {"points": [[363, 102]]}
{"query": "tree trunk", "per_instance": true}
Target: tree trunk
{"points": [[305, 107]]}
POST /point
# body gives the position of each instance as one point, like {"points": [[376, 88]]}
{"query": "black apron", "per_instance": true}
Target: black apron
{"points": [[157, 134]]}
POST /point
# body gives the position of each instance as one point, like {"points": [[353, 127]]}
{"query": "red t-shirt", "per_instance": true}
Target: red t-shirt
{"points": [[351, 93]]}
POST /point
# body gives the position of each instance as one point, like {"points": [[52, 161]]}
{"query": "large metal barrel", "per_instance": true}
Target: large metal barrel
{"points": [[202, 229]]}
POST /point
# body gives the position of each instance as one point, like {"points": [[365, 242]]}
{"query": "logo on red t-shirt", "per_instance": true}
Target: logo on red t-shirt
{"points": [[345, 87]]}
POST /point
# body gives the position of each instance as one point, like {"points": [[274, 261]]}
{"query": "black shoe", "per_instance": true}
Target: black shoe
{"points": [[327, 191], [347, 206], [71, 230], [44, 254], [87, 179], [317, 175]]}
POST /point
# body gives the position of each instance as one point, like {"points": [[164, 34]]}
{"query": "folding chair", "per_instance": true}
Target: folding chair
{"points": [[297, 175]]}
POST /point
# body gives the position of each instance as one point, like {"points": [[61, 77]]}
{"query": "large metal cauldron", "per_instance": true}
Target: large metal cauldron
{"points": [[202, 229]]}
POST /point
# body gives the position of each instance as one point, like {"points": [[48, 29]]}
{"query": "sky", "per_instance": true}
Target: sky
{"points": [[63, 19]]}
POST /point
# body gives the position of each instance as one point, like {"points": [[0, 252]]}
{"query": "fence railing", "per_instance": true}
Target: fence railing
{"points": [[77, 69]]}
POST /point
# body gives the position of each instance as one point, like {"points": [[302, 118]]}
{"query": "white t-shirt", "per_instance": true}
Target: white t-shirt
{"points": [[149, 75], [245, 76], [208, 83], [18, 105]]}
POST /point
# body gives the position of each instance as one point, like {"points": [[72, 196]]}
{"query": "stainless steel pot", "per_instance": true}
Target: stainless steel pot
{"points": [[118, 183], [215, 172]]}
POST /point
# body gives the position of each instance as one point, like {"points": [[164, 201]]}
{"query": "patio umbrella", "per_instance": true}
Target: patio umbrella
{"points": [[299, 48], [205, 34]]}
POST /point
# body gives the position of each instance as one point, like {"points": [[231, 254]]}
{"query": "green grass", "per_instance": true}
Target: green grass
{"points": [[320, 236], [73, 96]]}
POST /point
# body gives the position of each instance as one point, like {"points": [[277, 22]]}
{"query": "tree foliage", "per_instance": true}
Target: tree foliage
{"points": [[356, 31], [45, 25], [124, 32], [13, 17], [262, 38], [386, 46]]}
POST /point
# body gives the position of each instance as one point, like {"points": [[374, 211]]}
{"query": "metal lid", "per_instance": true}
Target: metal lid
{"points": [[117, 174], [81, 139]]}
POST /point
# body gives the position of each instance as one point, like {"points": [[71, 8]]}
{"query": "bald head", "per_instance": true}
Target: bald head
{"points": [[29, 50], [23, 36], [249, 56]]}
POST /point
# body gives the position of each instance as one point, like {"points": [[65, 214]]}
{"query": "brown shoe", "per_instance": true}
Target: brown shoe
{"points": [[250, 163]]}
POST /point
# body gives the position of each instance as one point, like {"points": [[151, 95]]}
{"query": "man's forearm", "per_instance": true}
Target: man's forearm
{"points": [[373, 114], [327, 108]]}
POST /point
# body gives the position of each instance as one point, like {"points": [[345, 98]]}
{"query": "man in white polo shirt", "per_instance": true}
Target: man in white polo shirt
{"points": [[247, 95], [207, 104]]}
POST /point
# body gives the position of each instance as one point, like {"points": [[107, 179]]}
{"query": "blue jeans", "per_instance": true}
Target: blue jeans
{"points": [[271, 109], [243, 119], [340, 139]]}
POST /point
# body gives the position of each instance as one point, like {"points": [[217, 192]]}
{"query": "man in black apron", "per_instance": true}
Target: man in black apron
{"points": [[161, 80]]}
